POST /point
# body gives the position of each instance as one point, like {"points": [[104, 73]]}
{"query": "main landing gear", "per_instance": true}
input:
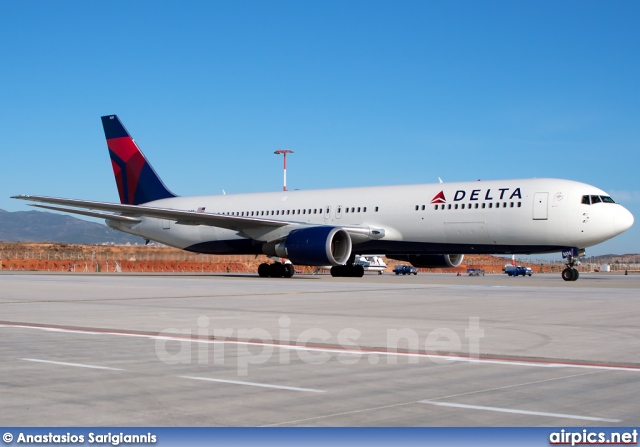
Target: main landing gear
{"points": [[570, 273], [350, 270], [276, 270]]}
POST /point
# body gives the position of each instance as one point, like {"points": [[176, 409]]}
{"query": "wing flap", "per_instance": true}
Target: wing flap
{"points": [[98, 214]]}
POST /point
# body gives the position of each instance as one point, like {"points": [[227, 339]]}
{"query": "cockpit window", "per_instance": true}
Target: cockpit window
{"points": [[590, 200]]}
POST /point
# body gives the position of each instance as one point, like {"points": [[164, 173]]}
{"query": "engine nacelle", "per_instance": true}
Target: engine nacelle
{"points": [[431, 261], [313, 246]]}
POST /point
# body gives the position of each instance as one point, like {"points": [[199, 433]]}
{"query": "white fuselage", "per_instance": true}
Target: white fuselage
{"points": [[505, 216]]}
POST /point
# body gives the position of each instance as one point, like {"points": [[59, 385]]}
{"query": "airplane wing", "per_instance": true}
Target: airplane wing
{"points": [[117, 217], [252, 227]]}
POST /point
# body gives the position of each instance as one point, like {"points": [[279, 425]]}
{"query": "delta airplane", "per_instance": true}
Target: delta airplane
{"points": [[428, 225]]}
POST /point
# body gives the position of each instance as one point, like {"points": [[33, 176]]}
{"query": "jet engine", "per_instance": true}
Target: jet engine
{"points": [[321, 245], [430, 261]]}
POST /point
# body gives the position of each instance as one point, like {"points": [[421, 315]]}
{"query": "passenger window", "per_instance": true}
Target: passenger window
{"points": [[364, 210], [376, 209], [449, 207], [463, 206], [456, 206], [484, 205], [358, 209], [519, 204], [498, 205], [490, 204]]}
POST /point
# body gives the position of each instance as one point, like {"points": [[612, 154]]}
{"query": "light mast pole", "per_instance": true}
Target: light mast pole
{"points": [[284, 152]]}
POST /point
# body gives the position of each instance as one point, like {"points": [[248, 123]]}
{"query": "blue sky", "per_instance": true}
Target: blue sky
{"points": [[365, 92]]}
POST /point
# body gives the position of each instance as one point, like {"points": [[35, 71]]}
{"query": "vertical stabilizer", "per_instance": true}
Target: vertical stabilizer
{"points": [[137, 181]]}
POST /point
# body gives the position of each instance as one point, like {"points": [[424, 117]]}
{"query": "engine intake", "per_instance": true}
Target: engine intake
{"points": [[313, 246], [430, 261]]}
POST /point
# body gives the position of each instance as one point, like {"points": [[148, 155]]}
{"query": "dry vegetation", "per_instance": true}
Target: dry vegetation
{"points": [[153, 258]]}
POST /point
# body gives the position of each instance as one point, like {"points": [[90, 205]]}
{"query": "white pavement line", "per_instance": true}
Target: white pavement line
{"points": [[336, 350], [262, 385], [77, 365], [510, 410], [516, 385]]}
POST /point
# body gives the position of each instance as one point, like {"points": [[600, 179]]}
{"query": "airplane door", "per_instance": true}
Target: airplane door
{"points": [[541, 206], [338, 211], [327, 214]]}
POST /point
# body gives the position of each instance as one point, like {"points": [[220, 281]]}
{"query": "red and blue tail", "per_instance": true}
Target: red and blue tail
{"points": [[137, 181]]}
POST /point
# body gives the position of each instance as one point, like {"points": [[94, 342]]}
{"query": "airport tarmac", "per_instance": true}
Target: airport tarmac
{"points": [[239, 350]]}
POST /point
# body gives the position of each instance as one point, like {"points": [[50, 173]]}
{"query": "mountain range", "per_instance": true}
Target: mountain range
{"points": [[40, 226]]}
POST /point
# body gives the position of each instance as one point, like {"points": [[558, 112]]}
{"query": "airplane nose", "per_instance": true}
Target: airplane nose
{"points": [[622, 220]]}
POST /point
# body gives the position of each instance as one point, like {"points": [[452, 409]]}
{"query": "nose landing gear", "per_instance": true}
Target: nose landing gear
{"points": [[571, 273]]}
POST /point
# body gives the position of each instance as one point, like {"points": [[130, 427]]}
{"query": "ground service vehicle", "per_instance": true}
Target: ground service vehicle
{"points": [[405, 270]]}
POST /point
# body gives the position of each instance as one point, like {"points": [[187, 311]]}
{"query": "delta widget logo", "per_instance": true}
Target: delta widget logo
{"points": [[439, 198]]}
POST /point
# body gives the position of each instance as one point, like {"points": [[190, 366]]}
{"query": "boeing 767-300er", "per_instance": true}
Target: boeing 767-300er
{"points": [[428, 225]]}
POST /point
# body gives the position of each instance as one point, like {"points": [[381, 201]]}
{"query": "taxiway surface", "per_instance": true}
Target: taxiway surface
{"points": [[225, 350]]}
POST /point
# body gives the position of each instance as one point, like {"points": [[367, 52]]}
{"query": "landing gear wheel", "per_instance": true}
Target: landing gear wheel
{"points": [[289, 270], [570, 274], [567, 274], [357, 271], [277, 270], [263, 270]]}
